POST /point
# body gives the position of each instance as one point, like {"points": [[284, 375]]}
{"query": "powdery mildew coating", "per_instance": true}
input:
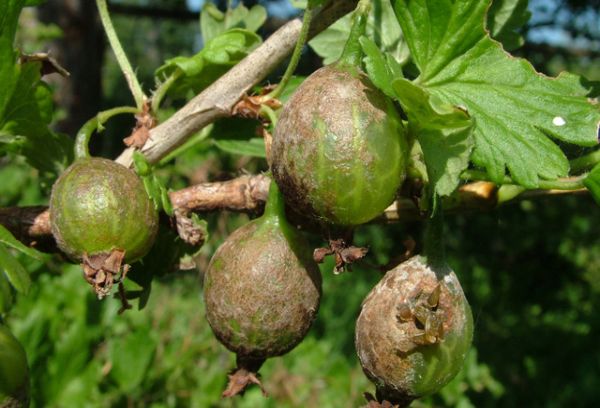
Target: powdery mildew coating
{"points": [[379, 332], [338, 150], [98, 205], [262, 290]]}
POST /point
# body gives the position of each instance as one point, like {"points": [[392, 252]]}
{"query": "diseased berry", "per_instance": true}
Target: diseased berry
{"points": [[98, 205], [101, 215], [414, 331], [262, 291], [339, 150], [14, 373]]}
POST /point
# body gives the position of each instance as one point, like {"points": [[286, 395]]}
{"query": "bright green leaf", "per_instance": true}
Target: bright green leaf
{"points": [[444, 132], [8, 239], [592, 183], [377, 68], [16, 274], [254, 147], [213, 22], [516, 109], [200, 70], [382, 28]]}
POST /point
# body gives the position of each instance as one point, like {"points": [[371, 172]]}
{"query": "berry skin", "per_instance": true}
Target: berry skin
{"points": [[98, 205], [414, 331], [339, 152]]}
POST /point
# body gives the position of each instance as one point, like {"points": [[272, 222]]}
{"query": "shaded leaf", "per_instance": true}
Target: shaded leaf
{"points": [[254, 147], [504, 18], [27, 116], [16, 274], [8, 239], [6, 296]]}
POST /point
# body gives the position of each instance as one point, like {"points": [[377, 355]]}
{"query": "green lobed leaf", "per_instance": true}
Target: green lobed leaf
{"points": [[517, 110], [444, 132], [504, 18], [254, 147], [16, 274], [382, 28], [8, 239], [214, 22], [592, 183], [200, 70]]}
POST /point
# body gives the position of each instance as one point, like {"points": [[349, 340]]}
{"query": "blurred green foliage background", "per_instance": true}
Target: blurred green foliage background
{"points": [[531, 271]]}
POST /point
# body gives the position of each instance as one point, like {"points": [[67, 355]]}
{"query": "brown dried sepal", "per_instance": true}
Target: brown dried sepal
{"points": [[239, 380], [249, 106], [424, 317], [344, 255], [187, 230], [372, 402], [141, 132], [103, 270]]}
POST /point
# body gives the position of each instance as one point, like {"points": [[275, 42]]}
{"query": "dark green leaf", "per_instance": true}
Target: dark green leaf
{"points": [[8, 239], [515, 108], [9, 70], [254, 147], [592, 183], [27, 115], [16, 274], [6, 296], [9, 17], [444, 133], [504, 18]]}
